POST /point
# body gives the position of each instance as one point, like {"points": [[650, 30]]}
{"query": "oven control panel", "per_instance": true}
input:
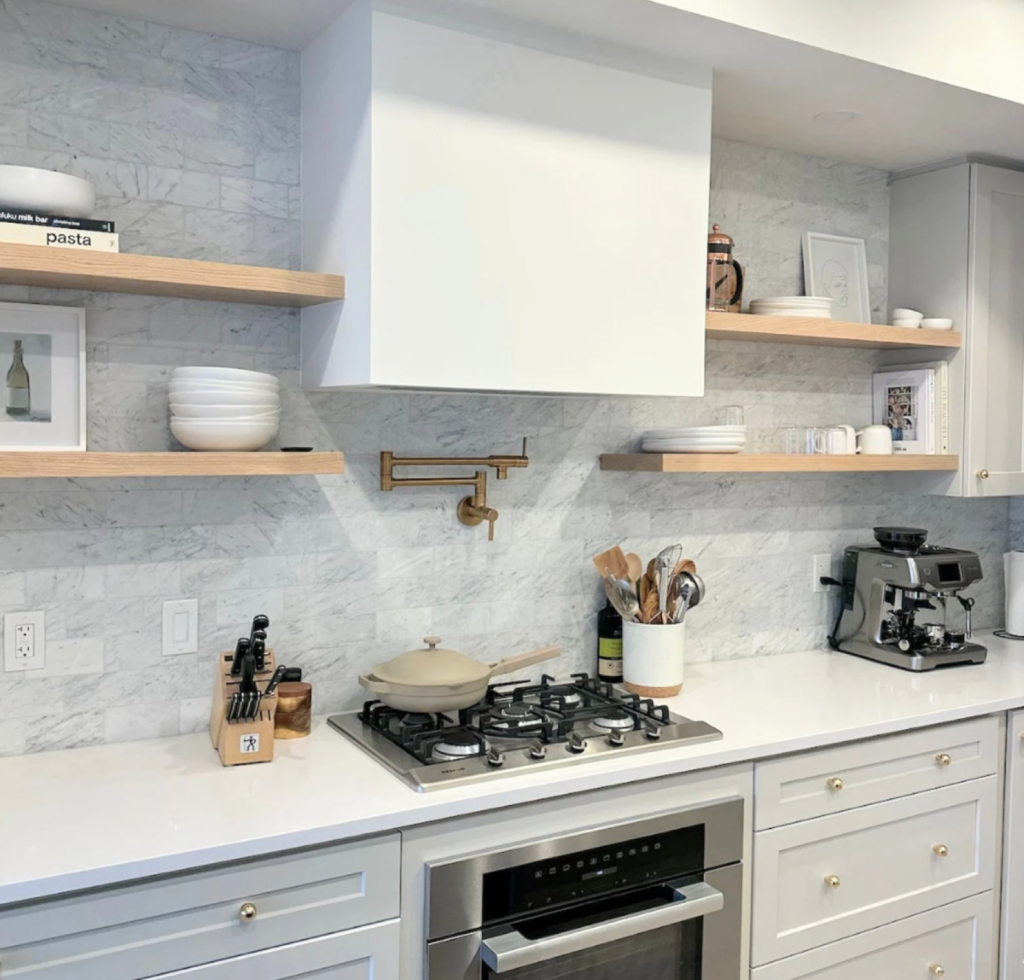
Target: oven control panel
{"points": [[590, 873]]}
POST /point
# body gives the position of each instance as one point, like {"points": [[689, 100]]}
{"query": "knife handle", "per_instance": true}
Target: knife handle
{"points": [[275, 680]]}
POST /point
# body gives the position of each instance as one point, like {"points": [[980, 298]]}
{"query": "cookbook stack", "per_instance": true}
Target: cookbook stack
{"points": [[50, 209], [220, 409]]}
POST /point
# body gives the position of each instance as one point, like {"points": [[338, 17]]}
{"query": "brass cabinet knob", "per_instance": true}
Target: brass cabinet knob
{"points": [[937, 969], [832, 881], [941, 850], [982, 475], [835, 783], [944, 760], [247, 912]]}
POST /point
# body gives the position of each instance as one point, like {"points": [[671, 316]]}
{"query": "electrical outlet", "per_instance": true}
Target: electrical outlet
{"points": [[25, 641], [821, 567], [181, 626]]}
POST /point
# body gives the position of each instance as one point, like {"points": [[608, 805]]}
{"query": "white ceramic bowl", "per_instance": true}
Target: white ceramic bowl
{"points": [[233, 436], [177, 387], [912, 324], [223, 412], [937, 323], [253, 399], [902, 314], [46, 192], [223, 374]]}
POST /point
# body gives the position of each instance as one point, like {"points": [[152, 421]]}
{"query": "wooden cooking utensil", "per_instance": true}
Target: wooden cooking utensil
{"points": [[636, 567], [645, 588], [613, 560], [650, 607], [684, 566]]}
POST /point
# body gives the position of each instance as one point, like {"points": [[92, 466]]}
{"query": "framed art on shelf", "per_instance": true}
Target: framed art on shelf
{"points": [[42, 367], [838, 267]]}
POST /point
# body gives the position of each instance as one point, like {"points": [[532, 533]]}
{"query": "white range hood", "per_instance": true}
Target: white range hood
{"points": [[508, 218]]}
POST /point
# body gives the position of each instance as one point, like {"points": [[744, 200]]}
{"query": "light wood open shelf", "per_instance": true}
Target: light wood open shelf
{"points": [[151, 275], [25, 465], [824, 333], [775, 463]]}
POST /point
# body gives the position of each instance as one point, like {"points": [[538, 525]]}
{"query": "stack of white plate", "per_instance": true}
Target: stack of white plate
{"points": [[816, 306], [224, 409], [698, 439]]}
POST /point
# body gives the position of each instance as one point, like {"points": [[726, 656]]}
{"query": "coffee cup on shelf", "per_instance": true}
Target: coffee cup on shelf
{"points": [[875, 440]]}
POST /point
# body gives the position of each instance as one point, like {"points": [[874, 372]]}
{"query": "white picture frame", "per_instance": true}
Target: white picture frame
{"points": [[48, 416], [906, 401], [838, 267]]}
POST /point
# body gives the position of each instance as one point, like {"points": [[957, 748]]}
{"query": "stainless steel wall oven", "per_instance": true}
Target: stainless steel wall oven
{"points": [[657, 899]]}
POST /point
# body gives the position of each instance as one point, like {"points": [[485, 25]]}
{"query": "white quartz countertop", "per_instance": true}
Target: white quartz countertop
{"points": [[80, 818]]}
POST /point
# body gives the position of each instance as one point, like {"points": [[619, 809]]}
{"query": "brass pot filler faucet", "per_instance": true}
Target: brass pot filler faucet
{"points": [[472, 510]]}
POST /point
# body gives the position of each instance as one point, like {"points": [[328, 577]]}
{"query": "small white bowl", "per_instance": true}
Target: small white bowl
{"points": [[912, 324], [937, 323], [902, 314], [253, 399], [234, 436], [223, 374], [46, 192], [223, 412]]}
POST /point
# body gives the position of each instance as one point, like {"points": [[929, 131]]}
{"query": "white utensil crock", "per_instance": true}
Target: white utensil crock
{"points": [[652, 659], [875, 440]]}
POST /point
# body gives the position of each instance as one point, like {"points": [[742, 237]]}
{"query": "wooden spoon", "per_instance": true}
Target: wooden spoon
{"points": [[635, 565], [686, 565], [650, 607]]}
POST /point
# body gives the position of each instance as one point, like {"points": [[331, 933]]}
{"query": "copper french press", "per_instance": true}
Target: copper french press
{"points": [[725, 274]]}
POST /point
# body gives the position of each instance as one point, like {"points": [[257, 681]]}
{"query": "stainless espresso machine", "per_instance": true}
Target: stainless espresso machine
{"points": [[902, 602]]}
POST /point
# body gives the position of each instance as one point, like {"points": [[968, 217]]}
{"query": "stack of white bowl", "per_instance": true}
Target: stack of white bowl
{"points": [[224, 409], [813, 306], [697, 439]]}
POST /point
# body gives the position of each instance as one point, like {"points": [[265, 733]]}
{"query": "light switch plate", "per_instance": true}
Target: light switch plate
{"points": [[25, 641], [181, 627]]}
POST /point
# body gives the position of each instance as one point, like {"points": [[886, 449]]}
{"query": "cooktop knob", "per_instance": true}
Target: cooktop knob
{"points": [[653, 732], [495, 758], [576, 743], [616, 738], [539, 752]]}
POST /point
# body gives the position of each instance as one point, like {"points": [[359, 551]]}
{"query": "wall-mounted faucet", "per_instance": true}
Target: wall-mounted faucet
{"points": [[472, 510]]}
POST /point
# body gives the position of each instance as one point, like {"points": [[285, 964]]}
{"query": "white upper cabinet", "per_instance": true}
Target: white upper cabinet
{"points": [[956, 249], [508, 218]]}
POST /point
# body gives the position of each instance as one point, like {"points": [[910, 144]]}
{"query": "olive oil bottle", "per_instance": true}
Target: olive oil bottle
{"points": [[609, 645]]}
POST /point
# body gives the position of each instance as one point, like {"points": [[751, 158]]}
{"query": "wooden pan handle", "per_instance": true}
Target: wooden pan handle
{"points": [[509, 664]]}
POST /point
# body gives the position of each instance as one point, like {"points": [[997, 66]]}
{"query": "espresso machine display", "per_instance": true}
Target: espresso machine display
{"points": [[902, 603]]}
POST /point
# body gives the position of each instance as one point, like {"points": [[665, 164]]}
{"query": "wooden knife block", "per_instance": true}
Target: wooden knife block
{"points": [[242, 742]]}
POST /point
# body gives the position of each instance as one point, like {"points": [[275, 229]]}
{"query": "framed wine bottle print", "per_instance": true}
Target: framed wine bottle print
{"points": [[42, 367]]}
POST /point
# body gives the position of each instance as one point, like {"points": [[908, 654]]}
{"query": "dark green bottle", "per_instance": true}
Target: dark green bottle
{"points": [[609, 645]]}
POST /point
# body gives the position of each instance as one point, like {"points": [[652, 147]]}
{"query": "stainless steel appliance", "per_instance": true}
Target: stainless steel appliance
{"points": [[517, 727], [659, 899], [896, 600]]}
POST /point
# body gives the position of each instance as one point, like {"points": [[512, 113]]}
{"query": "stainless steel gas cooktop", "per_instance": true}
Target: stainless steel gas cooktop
{"points": [[517, 727]]}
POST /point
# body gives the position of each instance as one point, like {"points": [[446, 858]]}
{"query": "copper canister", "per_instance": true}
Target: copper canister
{"points": [[725, 274], [294, 715]]}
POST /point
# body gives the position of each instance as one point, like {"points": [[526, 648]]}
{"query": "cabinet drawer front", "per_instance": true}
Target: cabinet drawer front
{"points": [[956, 939], [823, 880], [143, 928], [370, 953], [805, 786]]}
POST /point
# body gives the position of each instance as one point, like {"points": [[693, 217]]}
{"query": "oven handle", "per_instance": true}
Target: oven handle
{"points": [[511, 950]]}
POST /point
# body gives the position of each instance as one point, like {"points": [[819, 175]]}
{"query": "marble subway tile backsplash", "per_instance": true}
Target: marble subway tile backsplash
{"points": [[192, 142]]}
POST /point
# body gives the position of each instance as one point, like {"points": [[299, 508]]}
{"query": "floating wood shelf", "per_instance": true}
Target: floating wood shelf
{"points": [[74, 464], [824, 333], [772, 463], [150, 275]]}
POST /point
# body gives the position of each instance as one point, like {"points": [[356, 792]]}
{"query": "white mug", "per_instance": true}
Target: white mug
{"points": [[851, 438], [840, 440], [875, 440]]}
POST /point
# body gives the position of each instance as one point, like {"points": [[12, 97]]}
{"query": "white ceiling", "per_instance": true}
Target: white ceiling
{"points": [[767, 89]]}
